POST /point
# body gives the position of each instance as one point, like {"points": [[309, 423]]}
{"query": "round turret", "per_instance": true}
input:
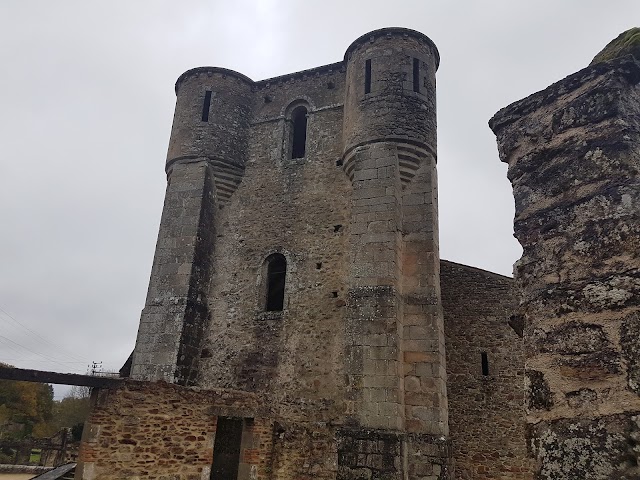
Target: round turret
{"points": [[391, 89], [212, 116]]}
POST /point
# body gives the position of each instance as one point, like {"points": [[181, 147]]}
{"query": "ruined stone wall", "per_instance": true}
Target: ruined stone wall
{"points": [[157, 430], [574, 162], [486, 412]]}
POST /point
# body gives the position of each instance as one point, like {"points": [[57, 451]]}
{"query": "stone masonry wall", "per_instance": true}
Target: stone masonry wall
{"points": [[299, 208], [348, 381], [176, 313], [163, 431], [486, 412], [396, 371], [574, 162], [143, 430], [205, 161]]}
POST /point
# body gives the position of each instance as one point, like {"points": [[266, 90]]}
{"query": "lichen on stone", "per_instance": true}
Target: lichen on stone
{"points": [[627, 43], [539, 394], [629, 333]]}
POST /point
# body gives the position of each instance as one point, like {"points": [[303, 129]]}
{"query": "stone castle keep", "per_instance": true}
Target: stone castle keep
{"points": [[300, 323]]}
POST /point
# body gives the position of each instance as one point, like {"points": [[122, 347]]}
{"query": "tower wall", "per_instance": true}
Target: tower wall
{"points": [[394, 333], [205, 164], [392, 111], [396, 365], [297, 208], [224, 135], [573, 156]]}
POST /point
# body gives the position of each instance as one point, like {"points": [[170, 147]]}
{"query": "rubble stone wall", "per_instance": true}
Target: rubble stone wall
{"points": [[573, 152], [164, 431], [486, 412], [294, 207], [144, 430]]}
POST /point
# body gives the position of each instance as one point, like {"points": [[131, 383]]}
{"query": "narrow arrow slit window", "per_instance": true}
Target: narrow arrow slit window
{"points": [[276, 276], [206, 106], [299, 134]]}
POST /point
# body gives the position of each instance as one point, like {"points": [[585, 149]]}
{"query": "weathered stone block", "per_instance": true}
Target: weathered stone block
{"points": [[573, 162]]}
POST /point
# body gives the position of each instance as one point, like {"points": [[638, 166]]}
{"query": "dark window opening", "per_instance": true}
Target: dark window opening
{"points": [[276, 274], [339, 163], [299, 121], [206, 106], [318, 265], [334, 294], [226, 449], [367, 76], [485, 363], [416, 75], [337, 228]]}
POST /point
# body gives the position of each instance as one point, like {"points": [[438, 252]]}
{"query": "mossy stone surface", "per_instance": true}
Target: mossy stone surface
{"points": [[627, 43]]}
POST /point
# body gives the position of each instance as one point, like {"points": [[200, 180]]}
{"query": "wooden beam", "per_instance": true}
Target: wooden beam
{"points": [[39, 376]]}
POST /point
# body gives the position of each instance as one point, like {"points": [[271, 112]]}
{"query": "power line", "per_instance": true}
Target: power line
{"points": [[94, 367], [26, 353], [37, 335], [57, 357], [57, 347], [12, 348], [49, 359]]}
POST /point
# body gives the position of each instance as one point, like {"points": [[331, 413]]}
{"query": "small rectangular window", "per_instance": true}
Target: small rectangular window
{"points": [[206, 106], [485, 363], [416, 75], [226, 449], [367, 76]]}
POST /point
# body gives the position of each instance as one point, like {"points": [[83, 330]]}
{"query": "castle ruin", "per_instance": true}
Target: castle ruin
{"points": [[300, 323]]}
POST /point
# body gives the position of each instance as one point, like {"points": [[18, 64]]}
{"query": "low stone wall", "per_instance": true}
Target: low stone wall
{"points": [[146, 430], [159, 430]]}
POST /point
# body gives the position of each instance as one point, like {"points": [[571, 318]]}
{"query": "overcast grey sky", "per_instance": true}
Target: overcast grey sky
{"points": [[87, 100]]}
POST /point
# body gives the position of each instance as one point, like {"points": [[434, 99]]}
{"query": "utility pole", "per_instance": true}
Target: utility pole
{"points": [[95, 368]]}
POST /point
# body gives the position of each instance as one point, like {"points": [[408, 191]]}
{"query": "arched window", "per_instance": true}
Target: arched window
{"points": [[299, 132], [276, 274]]}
